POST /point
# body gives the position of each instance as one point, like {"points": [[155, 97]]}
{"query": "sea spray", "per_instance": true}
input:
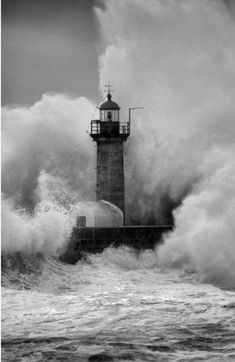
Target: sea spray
{"points": [[51, 137], [204, 237], [180, 68], [182, 144], [43, 232]]}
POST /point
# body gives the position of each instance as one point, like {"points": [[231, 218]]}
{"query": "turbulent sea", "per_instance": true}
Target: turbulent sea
{"points": [[114, 306]]}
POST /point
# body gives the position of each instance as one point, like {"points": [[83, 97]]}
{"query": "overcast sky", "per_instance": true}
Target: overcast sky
{"points": [[49, 46]]}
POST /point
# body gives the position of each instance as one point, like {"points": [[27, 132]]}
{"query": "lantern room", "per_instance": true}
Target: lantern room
{"points": [[109, 125], [109, 110]]}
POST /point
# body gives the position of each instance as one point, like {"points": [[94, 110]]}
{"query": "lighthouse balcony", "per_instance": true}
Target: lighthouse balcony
{"points": [[111, 129]]}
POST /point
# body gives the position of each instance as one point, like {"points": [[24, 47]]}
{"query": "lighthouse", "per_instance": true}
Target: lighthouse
{"points": [[110, 133]]}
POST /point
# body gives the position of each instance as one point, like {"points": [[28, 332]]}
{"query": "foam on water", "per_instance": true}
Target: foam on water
{"points": [[118, 304]]}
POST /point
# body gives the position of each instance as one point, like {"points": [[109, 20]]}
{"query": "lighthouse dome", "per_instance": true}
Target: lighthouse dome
{"points": [[109, 104]]}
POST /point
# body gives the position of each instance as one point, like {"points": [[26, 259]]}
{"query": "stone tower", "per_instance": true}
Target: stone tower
{"points": [[110, 134]]}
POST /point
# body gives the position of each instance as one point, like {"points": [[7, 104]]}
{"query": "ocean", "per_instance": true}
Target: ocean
{"points": [[114, 306]]}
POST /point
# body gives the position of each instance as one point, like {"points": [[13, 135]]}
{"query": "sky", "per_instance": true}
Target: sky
{"points": [[52, 46], [49, 46]]}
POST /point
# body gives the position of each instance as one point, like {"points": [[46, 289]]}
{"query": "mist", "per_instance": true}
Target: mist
{"points": [[49, 137], [180, 67], [48, 166]]}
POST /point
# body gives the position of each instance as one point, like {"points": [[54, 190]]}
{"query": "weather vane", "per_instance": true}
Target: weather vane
{"points": [[108, 86]]}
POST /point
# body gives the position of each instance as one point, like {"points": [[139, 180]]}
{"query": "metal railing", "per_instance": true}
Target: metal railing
{"points": [[124, 127], [97, 125]]}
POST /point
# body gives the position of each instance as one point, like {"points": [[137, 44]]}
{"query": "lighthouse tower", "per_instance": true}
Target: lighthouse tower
{"points": [[110, 134]]}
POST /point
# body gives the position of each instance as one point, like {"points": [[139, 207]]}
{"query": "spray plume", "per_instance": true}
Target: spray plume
{"points": [[47, 167], [50, 136], [176, 58]]}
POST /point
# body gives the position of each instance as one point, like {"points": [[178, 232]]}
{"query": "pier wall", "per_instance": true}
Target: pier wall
{"points": [[95, 239]]}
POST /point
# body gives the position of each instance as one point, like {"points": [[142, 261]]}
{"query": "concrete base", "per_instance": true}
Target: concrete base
{"points": [[96, 239]]}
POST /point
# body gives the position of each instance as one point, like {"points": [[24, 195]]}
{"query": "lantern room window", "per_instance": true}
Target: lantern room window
{"points": [[109, 115]]}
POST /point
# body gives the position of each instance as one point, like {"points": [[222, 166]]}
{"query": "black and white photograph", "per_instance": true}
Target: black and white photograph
{"points": [[118, 180]]}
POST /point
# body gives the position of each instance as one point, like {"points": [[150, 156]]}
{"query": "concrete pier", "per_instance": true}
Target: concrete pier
{"points": [[95, 239]]}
